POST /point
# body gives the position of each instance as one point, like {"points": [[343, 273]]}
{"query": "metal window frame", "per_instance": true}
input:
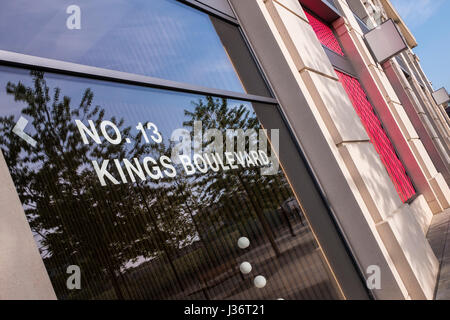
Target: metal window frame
{"points": [[324, 223], [324, 9], [418, 78], [366, 42]]}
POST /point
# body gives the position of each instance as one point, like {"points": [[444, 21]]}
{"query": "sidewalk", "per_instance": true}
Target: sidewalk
{"points": [[439, 238]]}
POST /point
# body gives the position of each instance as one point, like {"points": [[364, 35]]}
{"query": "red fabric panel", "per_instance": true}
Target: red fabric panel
{"points": [[378, 136], [324, 33]]}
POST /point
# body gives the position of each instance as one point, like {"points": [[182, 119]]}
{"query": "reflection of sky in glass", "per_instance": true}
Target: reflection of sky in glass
{"points": [[132, 103], [160, 38]]}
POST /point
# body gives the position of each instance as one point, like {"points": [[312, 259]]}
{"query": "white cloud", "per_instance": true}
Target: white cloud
{"points": [[416, 12]]}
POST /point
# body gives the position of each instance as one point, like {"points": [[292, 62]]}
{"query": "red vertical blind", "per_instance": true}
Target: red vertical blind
{"points": [[365, 111], [324, 33], [378, 136]]}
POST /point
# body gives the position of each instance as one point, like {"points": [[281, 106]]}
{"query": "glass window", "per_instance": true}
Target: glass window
{"points": [[159, 38], [93, 165], [374, 128]]}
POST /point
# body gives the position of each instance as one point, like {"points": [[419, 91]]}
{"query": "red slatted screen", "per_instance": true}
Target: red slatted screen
{"points": [[378, 136], [324, 33], [373, 126]]}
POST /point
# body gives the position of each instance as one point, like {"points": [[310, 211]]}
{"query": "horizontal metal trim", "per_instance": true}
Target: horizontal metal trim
{"points": [[61, 67], [210, 10], [361, 23], [339, 62]]}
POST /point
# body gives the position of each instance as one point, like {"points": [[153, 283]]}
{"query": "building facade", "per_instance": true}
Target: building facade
{"points": [[344, 160]]}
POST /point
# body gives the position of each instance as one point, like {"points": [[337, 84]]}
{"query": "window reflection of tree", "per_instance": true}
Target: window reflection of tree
{"points": [[185, 227]]}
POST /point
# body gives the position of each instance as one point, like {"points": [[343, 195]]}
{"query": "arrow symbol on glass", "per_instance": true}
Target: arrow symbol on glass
{"points": [[18, 129]]}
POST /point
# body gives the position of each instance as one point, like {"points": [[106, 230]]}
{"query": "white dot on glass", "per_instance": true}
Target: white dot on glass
{"points": [[245, 267], [280, 299], [243, 242], [260, 282]]}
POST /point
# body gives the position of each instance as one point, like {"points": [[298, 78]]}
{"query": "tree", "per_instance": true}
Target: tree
{"points": [[77, 221]]}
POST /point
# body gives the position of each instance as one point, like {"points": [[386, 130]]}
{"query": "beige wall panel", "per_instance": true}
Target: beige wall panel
{"points": [[348, 14], [441, 147], [335, 108]]}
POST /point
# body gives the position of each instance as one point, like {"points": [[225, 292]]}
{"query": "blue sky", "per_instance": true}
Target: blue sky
{"points": [[429, 21]]}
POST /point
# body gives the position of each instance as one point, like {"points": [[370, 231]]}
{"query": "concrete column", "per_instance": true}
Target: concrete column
{"points": [[428, 116], [361, 11], [429, 88], [22, 272]]}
